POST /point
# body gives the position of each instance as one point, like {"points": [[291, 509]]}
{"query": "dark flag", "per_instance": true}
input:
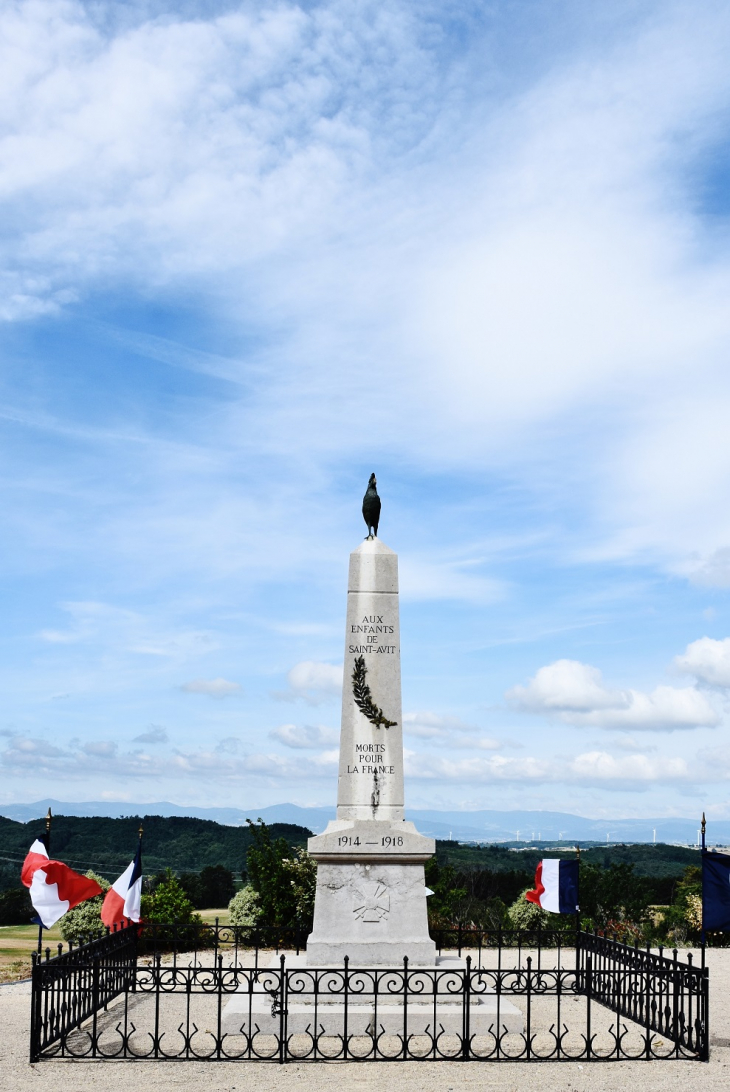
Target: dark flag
{"points": [[716, 892]]}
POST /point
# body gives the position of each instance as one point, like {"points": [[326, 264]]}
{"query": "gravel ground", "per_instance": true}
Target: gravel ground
{"points": [[17, 1075]]}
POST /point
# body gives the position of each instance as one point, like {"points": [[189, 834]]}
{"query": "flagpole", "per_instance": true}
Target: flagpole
{"points": [[704, 850], [49, 818], [140, 832], [577, 913]]}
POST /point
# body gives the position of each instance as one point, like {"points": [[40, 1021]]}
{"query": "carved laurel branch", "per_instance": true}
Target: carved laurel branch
{"points": [[364, 699]]}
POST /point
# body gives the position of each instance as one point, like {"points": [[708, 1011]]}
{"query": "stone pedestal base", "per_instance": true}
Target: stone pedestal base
{"points": [[370, 903], [487, 1015], [324, 1013]]}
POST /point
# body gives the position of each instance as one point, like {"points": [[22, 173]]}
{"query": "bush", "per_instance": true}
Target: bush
{"points": [[682, 921], [284, 881], [84, 922], [527, 915], [244, 908], [168, 904], [444, 901], [302, 872], [15, 907]]}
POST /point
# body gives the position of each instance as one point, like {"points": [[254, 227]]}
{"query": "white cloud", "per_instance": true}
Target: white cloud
{"points": [[214, 688], [432, 726], [154, 734], [598, 766], [573, 693], [25, 755], [306, 737], [460, 580], [566, 686], [708, 660], [313, 682], [589, 768], [100, 748], [127, 631]]}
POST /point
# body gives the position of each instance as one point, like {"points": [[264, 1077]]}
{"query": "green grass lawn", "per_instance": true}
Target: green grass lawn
{"points": [[18, 941], [16, 944]]}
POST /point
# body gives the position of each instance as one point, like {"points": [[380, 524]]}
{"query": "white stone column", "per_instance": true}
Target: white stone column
{"points": [[370, 902], [370, 784]]}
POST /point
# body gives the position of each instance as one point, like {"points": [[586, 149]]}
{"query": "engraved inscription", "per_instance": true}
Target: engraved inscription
{"points": [[371, 630]]}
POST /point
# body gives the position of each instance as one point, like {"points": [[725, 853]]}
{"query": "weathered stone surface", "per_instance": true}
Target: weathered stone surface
{"points": [[373, 913]]}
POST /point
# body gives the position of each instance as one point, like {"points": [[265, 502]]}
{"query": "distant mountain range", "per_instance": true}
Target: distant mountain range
{"points": [[463, 826]]}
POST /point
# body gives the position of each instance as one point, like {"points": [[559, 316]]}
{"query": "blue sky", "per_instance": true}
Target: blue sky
{"points": [[253, 252]]}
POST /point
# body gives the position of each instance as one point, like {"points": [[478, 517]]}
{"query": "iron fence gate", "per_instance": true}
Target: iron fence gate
{"points": [[529, 998]]}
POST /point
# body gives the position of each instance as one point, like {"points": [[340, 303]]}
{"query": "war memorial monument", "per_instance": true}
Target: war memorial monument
{"points": [[370, 906], [371, 984]]}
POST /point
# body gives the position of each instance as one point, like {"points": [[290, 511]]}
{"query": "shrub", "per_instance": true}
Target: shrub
{"points": [[244, 908], [169, 904], [302, 872], [83, 922], [284, 882], [445, 898], [527, 915], [682, 921]]}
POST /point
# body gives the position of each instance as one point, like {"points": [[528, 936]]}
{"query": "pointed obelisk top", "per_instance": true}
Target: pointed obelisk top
{"points": [[373, 568]]}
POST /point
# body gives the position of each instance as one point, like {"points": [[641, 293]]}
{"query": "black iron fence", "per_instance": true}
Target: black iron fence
{"points": [[72, 987], [181, 993]]}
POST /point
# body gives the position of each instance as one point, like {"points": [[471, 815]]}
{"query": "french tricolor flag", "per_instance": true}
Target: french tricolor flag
{"points": [[124, 898], [54, 888], [556, 886]]}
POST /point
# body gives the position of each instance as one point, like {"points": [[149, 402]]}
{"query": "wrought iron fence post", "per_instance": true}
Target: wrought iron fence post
{"points": [[157, 976], [95, 1001], [528, 1025], [588, 992], [704, 1046], [346, 1013], [219, 1026], [283, 1006], [35, 1008], [676, 986], [466, 1021], [405, 1007]]}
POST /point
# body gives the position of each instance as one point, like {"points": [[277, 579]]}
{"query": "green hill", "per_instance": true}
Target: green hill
{"points": [[107, 845], [653, 861]]}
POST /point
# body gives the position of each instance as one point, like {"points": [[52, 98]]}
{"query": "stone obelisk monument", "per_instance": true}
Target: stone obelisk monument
{"points": [[370, 903]]}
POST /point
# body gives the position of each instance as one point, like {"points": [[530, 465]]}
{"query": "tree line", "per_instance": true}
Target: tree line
{"points": [[650, 893]]}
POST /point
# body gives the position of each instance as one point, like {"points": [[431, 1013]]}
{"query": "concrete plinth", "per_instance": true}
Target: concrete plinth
{"points": [[368, 1013], [373, 913], [487, 1016]]}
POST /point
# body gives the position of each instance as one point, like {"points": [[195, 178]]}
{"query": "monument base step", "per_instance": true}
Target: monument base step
{"points": [[248, 1013], [487, 1015]]}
